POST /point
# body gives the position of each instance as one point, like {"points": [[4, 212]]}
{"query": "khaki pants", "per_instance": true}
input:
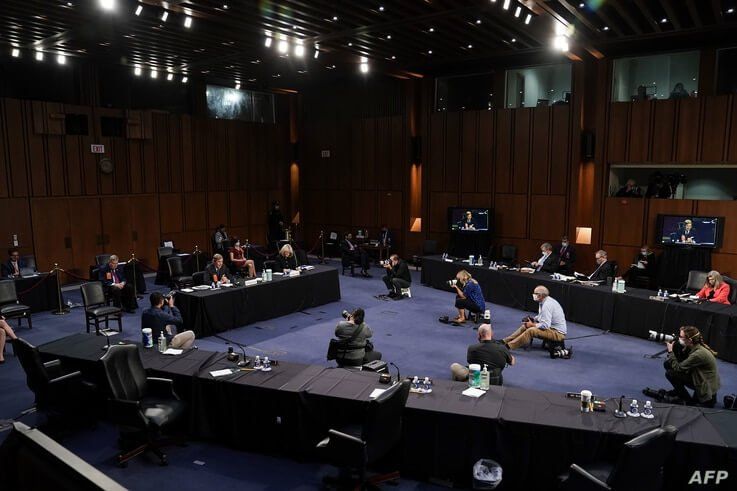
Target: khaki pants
{"points": [[523, 336], [183, 340]]}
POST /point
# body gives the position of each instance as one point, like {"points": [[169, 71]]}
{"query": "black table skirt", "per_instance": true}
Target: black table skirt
{"points": [[534, 435], [631, 313], [38, 292], [212, 311]]}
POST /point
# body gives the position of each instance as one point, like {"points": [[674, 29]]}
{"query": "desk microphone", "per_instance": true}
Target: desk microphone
{"points": [[619, 413], [398, 376], [245, 361]]}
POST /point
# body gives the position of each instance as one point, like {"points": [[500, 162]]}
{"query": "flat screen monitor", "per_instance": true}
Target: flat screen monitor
{"points": [[690, 231], [468, 219]]}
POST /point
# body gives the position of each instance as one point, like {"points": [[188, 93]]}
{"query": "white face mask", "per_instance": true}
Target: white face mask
{"points": [[682, 341], [565, 244], [643, 252], [535, 297]]}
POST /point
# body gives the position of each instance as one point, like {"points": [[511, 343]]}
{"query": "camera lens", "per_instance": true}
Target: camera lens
{"points": [[345, 314]]}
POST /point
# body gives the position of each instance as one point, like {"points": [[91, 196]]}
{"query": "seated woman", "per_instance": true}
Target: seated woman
{"points": [[469, 296], [5, 332], [715, 289], [359, 350], [238, 260], [286, 258]]}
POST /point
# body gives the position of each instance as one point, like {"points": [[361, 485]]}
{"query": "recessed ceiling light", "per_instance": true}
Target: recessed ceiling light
{"points": [[388, 36], [429, 51], [381, 8], [581, 5], [164, 16], [663, 20], [225, 6], [139, 9], [478, 21], [107, 4], [299, 49], [154, 73], [606, 28], [283, 46], [39, 55], [184, 80], [335, 18], [730, 10], [470, 46], [514, 40], [237, 86], [170, 77], [528, 19], [61, 59], [15, 53], [394, 57], [188, 22], [350, 44], [432, 29], [70, 4], [506, 5], [137, 71], [517, 11]]}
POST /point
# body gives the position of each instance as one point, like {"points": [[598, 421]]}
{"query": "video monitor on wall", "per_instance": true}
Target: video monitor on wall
{"points": [[687, 230], [468, 219]]}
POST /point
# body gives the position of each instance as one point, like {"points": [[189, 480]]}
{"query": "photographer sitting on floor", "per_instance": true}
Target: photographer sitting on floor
{"points": [[549, 324], [692, 364], [356, 333]]}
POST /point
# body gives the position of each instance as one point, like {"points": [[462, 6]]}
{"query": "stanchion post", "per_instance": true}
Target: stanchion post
{"points": [[322, 248], [135, 277], [197, 257], [61, 310]]}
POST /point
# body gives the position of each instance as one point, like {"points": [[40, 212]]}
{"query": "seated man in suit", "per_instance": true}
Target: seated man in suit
{"points": [[567, 254], [355, 253], [643, 266], [687, 233], [13, 266], [385, 237], [549, 260], [216, 271], [112, 276], [604, 269], [164, 317]]}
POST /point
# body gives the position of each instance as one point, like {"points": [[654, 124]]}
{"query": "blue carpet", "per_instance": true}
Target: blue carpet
{"points": [[406, 332]]}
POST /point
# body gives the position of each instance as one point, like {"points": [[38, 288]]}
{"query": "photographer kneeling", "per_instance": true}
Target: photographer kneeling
{"points": [[397, 276], [354, 333], [468, 295], [692, 364]]}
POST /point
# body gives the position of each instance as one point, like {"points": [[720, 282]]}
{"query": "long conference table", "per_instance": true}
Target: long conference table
{"points": [[632, 313], [208, 312], [534, 435]]}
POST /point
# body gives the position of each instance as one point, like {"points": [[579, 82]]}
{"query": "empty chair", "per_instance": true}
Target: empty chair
{"points": [[732, 289], [10, 307], [429, 248], [199, 278], [270, 264], [102, 259], [639, 466], [165, 251], [301, 256], [143, 407], [96, 307], [696, 280], [179, 278], [508, 254], [378, 433]]}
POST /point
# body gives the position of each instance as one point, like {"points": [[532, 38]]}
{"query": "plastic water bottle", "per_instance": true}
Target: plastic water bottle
{"points": [[415, 384], [162, 342], [263, 275], [481, 260], [484, 384], [212, 285], [267, 364], [257, 363], [426, 385], [660, 293], [665, 294]]}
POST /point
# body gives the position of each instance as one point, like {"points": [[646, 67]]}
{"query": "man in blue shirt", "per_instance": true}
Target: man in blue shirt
{"points": [[548, 324], [164, 317]]}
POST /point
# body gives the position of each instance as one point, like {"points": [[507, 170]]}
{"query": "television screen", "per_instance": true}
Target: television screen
{"points": [[468, 219], [690, 230]]}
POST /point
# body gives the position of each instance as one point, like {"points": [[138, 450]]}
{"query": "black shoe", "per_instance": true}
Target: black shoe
{"points": [[365, 274], [392, 294]]}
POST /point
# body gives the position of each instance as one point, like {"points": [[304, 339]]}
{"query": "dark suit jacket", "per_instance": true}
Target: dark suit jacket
{"points": [[105, 274], [345, 248], [602, 273], [569, 256], [385, 238], [157, 319], [8, 269], [551, 264], [212, 270], [401, 271], [286, 262]]}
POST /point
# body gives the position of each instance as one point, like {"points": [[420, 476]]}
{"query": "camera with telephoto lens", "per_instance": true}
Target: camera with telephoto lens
{"points": [[452, 283], [560, 352], [661, 337], [385, 262], [169, 295], [346, 315]]}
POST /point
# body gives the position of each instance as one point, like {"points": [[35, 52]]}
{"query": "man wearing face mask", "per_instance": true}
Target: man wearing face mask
{"points": [[695, 367], [549, 260], [643, 266], [567, 254], [604, 268], [549, 324]]}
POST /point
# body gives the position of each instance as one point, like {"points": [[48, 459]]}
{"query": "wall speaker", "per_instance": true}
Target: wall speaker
{"points": [[416, 149], [588, 140]]}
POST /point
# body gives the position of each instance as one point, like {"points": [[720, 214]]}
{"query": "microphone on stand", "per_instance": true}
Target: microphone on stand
{"points": [[245, 361], [399, 379]]}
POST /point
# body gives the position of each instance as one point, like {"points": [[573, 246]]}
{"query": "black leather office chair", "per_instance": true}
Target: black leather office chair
{"points": [[696, 280], [301, 256], [179, 278], [102, 259], [376, 436], [271, 264], [10, 307], [508, 254], [165, 251], [639, 466], [143, 407], [199, 278], [96, 307], [429, 248], [732, 289], [57, 392], [347, 262]]}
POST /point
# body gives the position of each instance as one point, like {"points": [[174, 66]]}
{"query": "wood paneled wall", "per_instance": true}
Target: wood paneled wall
{"points": [[175, 177]]}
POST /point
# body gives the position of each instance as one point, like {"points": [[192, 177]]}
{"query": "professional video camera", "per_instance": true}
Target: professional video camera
{"points": [[660, 337], [452, 283]]}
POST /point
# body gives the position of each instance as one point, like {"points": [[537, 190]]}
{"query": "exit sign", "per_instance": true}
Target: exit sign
{"points": [[97, 148]]}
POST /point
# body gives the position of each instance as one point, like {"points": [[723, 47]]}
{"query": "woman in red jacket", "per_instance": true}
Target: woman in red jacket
{"points": [[715, 289]]}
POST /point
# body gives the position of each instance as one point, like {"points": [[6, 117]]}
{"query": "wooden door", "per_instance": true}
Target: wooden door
{"points": [[51, 233], [117, 226], [144, 214], [85, 225]]}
